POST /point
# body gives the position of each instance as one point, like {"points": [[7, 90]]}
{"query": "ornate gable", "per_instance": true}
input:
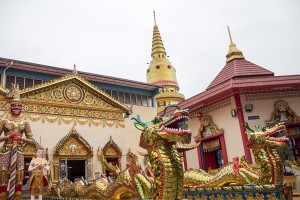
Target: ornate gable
{"points": [[73, 145], [111, 149], [70, 99], [74, 90]]}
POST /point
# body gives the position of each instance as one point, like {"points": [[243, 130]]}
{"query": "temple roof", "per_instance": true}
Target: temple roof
{"points": [[242, 85], [240, 76], [238, 68], [56, 71]]}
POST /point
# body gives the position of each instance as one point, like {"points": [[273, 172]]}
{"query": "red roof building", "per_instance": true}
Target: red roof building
{"points": [[240, 83]]}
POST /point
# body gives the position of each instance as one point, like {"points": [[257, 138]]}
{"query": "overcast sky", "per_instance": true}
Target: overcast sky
{"points": [[114, 37]]}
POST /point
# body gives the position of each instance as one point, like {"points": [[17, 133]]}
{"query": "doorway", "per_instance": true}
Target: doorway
{"points": [[76, 169]]}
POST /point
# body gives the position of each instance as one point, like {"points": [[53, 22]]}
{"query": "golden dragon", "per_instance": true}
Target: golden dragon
{"points": [[160, 138]]}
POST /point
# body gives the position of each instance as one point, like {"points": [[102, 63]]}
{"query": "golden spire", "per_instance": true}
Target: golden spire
{"points": [[233, 52], [154, 18], [158, 48]]}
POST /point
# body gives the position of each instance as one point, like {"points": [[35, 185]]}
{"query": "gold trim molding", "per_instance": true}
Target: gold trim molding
{"points": [[273, 95], [69, 99]]}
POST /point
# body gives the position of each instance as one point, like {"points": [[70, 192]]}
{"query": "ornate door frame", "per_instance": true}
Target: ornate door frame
{"points": [[72, 146]]}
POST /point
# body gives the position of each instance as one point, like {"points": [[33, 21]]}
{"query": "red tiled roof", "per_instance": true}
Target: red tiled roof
{"points": [[239, 68], [242, 85]]}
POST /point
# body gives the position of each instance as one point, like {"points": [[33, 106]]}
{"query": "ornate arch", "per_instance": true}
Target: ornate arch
{"points": [[73, 145], [130, 157], [112, 154]]}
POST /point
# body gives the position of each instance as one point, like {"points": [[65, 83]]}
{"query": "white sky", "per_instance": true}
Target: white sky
{"points": [[114, 38]]}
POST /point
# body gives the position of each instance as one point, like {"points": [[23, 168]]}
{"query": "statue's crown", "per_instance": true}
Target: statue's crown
{"points": [[15, 93]]}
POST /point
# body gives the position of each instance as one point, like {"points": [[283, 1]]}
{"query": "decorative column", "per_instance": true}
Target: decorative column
{"points": [[55, 170], [223, 148], [240, 113], [199, 156]]}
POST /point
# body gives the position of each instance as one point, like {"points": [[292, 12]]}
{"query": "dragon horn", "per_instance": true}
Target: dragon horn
{"points": [[246, 125], [166, 108], [138, 120]]}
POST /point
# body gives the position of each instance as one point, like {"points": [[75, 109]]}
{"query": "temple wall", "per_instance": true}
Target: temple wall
{"points": [[97, 136], [192, 155], [222, 118], [263, 106]]}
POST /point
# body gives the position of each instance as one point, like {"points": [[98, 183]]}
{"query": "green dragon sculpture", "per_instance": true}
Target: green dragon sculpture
{"points": [[159, 138], [268, 168]]}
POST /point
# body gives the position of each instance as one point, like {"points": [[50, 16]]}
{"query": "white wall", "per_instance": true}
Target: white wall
{"points": [[223, 119], [96, 136]]}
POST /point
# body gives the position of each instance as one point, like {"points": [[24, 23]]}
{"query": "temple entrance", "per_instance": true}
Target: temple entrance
{"points": [[76, 169], [72, 158], [212, 152], [213, 159]]}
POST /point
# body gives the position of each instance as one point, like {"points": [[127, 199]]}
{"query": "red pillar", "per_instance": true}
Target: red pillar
{"points": [[223, 148], [199, 157], [239, 108], [184, 161]]}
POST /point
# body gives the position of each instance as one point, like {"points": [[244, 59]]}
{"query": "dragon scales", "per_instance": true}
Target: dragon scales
{"points": [[268, 168], [160, 138]]}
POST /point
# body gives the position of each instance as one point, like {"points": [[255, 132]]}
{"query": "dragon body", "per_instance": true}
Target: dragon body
{"points": [[161, 138], [268, 168], [129, 183]]}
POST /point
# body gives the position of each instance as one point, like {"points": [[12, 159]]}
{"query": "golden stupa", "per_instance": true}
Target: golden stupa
{"points": [[161, 72]]}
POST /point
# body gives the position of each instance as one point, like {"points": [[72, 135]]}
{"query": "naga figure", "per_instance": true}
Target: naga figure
{"points": [[11, 158], [129, 183], [268, 169], [159, 137], [164, 138]]}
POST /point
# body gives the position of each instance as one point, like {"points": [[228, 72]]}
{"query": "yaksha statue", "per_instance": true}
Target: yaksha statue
{"points": [[11, 158]]}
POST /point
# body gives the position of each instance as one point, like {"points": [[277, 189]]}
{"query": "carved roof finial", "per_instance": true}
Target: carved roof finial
{"points": [[233, 52], [73, 131], [110, 140], [74, 70]]}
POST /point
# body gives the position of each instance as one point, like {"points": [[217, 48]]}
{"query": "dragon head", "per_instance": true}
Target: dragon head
{"points": [[272, 137], [172, 128]]}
